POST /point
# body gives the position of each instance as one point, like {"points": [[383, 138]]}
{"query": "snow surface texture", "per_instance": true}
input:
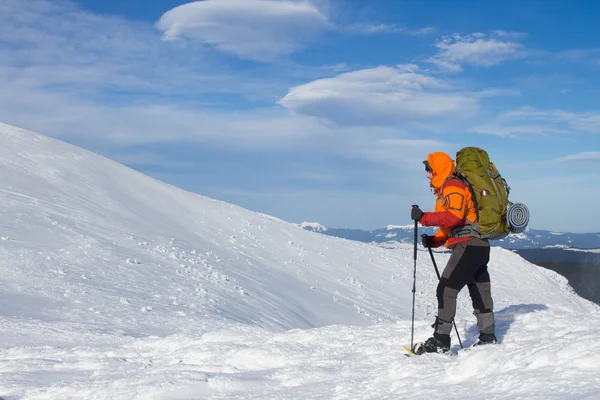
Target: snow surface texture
{"points": [[117, 286]]}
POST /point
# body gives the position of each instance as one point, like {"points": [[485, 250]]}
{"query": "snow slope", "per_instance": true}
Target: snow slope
{"points": [[117, 286]]}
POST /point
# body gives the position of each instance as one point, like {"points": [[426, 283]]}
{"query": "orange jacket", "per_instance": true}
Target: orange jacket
{"points": [[454, 206]]}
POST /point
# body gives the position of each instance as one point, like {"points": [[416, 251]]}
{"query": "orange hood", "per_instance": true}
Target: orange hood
{"points": [[442, 166]]}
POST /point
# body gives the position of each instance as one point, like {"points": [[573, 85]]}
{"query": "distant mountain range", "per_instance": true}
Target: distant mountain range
{"points": [[392, 235]]}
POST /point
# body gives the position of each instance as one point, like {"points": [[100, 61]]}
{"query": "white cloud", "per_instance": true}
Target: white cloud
{"points": [[261, 30], [380, 96], [422, 31], [373, 28], [475, 49], [494, 92], [57, 44], [514, 131], [585, 156], [64, 116], [529, 120], [577, 55], [587, 122], [579, 122], [368, 28], [509, 34]]}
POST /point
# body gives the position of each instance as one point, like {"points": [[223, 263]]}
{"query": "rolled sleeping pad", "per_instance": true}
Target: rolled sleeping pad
{"points": [[517, 217]]}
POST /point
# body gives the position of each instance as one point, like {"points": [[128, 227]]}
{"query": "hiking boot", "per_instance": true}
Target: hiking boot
{"points": [[486, 338], [438, 343]]}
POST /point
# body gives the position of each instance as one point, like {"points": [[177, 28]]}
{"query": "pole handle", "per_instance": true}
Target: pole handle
{"points": [[416, 234]]}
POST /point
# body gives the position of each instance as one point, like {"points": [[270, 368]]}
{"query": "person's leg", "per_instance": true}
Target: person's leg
{"points": [[483, 304], [459, 270], [462, 267]]}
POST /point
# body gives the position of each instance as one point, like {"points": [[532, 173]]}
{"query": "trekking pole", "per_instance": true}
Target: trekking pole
{"points": [[439, 278], [414, 289]]}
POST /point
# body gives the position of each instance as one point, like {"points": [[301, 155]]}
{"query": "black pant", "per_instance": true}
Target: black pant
{"points": [[467, 266]]}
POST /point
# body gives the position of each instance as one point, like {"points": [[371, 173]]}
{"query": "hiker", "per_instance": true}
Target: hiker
{"points": [[456, 217]]}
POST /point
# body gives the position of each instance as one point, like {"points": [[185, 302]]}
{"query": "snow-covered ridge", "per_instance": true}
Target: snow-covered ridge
{"points": [[404, 227], [314, 226], [116, 285], [530, 238]]}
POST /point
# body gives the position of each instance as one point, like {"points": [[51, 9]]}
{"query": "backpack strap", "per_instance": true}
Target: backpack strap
{"points": [[441, 192], [470, 229]]}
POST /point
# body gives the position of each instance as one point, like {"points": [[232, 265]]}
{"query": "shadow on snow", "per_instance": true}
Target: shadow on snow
{"points": [[504, 318]]}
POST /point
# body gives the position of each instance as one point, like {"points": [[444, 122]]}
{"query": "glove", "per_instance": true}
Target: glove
{"points": [[427, 241], [416, 214]]}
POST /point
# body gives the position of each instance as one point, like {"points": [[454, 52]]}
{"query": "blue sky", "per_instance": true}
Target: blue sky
{"points": [[318, 110]]}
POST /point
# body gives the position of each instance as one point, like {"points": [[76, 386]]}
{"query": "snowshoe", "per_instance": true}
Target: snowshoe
{"points": [[486, 338], [438, 343]]}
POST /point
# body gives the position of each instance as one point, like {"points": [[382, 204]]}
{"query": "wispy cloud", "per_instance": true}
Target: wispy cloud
{"points": [[421, 31], [70, 117], [476, 49], [514, 130], [56, 45], [529, 120], [577, 55], [585, 156], [369, 28], [588, 122], [495, 92], [509, 34], [398, 95]]}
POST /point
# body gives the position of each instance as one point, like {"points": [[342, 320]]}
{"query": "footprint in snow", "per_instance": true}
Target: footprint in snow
{"points": [[241, 290]]}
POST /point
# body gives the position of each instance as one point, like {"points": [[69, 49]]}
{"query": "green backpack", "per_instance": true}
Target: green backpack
{"points": [[488, 189]]}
